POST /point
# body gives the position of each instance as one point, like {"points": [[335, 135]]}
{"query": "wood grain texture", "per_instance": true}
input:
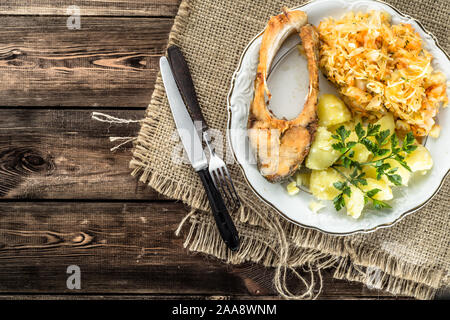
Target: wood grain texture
{"points": [[151, 8], [119, 232], [109, 62], [123, 248], [64, 154]]}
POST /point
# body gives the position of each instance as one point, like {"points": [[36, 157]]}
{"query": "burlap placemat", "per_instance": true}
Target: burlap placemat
{"points": [[411, 258]]}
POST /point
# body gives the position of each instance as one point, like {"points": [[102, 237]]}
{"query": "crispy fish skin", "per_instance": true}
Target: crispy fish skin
{"points": [[281, 145]]}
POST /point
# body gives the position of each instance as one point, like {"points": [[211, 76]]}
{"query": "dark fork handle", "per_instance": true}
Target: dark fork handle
{"points": [[184, 82], [224, 223]]}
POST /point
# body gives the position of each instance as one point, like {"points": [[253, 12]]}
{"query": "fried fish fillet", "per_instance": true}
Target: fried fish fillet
{"points": [[281, 145]]}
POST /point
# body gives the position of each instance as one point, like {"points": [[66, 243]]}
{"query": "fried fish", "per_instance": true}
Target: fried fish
{"points": [[281, 145]]}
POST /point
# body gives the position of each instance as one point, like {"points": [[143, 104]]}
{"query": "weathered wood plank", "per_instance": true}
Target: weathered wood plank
{"points": [[64, 154], [150, 8], [122, 248], [119, 247], [108, 62]]}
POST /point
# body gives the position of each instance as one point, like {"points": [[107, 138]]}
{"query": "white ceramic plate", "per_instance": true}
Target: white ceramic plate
{"points": [[288, 74]]}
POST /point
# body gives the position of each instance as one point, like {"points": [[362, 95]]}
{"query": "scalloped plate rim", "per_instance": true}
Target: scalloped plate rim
{"points": [[229, 118]]}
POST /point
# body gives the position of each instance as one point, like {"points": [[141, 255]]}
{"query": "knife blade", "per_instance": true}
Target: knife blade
{"points": [[194, 149], [186, 129]]}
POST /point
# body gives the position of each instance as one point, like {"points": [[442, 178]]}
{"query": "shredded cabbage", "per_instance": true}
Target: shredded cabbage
{"points": [[378, 67]]}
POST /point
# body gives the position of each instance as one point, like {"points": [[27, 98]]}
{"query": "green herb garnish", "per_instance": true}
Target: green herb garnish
{"points": [[376, 141]]}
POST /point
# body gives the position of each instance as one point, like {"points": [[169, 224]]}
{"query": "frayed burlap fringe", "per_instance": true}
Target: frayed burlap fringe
{"points": [[374, 278], [140, 163], [353, 264], [202, 237], [106, 118], [291, 250], [199, 200]]}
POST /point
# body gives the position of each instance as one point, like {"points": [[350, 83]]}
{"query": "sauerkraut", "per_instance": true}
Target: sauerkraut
{"points": [[379, 67]]}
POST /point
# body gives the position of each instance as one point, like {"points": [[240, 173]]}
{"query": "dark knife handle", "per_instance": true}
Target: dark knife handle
{"points": [[224, 223], [184, 82]]}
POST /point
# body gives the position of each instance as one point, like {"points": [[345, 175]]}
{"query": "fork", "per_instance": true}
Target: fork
{"points": [[217, 167], [221, 176]]}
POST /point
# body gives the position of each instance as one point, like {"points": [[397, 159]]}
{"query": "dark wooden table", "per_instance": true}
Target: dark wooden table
{"points": [[66, 199]]}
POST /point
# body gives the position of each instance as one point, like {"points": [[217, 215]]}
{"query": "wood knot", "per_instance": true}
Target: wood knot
{"points": [[12, 54], [18, 163], [25, 160], [81, 239], [34, 162]]}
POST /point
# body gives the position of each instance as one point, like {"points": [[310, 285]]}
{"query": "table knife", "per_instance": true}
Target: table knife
{"points": [[183, 79], [217, 167], [194, 150]]}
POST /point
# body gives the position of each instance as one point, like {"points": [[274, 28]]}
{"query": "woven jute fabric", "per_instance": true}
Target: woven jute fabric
{"points": [[411, 258]]}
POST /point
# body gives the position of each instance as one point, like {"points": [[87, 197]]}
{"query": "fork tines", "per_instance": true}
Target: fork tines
{"points": [[222, 180]]}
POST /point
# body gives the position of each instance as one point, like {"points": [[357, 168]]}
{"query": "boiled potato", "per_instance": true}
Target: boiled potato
{"points": [[385, 192], [355, 203], [435, 131], [371, 172], [420, 159], [322, 155], [321, 184], [388, 146], [357, 118], [349, 125], [361, 152], [387, 123], [401, 171], [292, 189], [302, 178], [332, 110]]}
